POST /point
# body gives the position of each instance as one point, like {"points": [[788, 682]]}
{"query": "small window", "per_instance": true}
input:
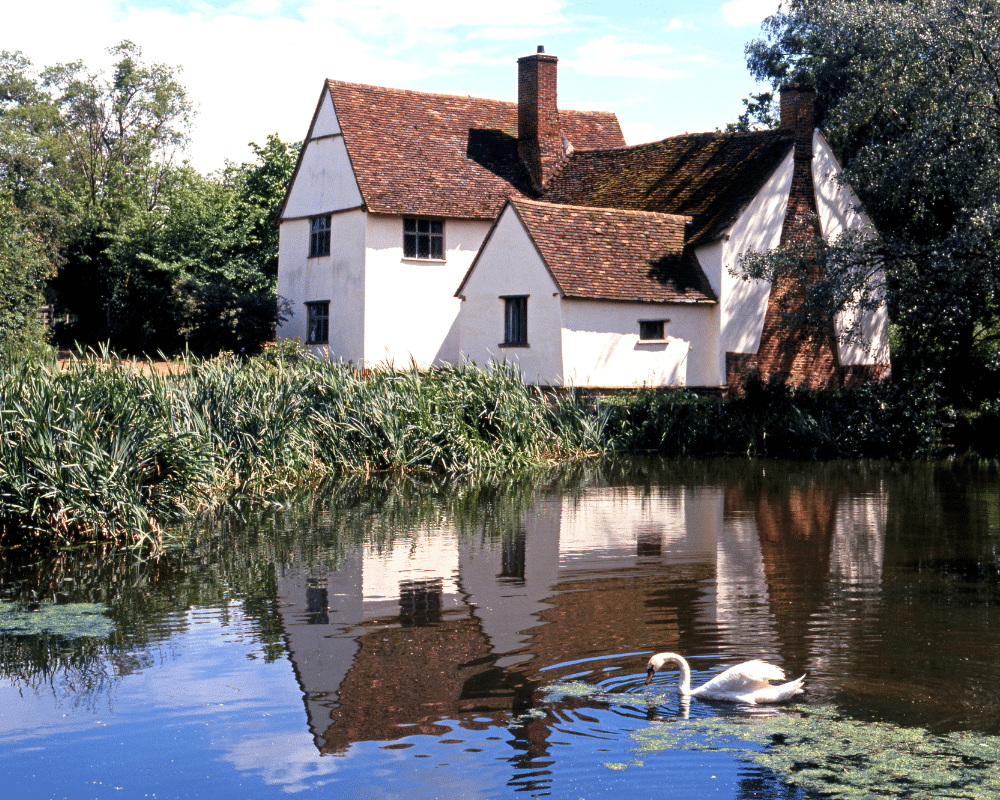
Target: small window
{"points": [[652, 330], [423, 238], [515, 321], [319, 237], [318, 320]]}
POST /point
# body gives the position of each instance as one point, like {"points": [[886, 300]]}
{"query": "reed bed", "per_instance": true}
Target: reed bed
{"points": [[100, 450]]}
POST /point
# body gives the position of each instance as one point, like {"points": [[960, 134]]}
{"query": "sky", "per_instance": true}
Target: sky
{"points": [[256, 67]]}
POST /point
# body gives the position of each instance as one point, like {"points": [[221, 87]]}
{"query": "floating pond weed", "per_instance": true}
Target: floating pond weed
{"points": [[828, 755], [70, 620]]}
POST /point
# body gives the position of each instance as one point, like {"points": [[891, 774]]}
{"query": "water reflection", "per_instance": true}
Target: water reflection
{"points": [[413, 608], [446, 626]]}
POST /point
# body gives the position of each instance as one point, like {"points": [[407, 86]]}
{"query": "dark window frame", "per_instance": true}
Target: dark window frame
{"points": [[653, 330], [515, 320], [319, 236], [423, 239], [318, 322]]}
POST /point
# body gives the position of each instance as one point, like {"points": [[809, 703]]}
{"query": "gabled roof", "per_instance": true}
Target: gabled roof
{"points": [[711, 177], [612, 254], [442, 155]]}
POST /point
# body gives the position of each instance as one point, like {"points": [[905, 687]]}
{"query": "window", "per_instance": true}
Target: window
{"points": [[652, 330], [318, 320], [423, 238], [319, 237], [515, 321]]}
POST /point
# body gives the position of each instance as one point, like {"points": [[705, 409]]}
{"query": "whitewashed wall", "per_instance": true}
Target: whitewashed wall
{"points": [[324, 184], [838, 209], [744, 303], [511, 265], [338, 277], [410, 308], [601, 347]]}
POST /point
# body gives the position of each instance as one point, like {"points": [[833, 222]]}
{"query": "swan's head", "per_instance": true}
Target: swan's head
{"points": [[658, 662]]}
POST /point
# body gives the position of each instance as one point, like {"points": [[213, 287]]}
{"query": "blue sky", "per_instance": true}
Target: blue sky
{"points": [[255, 67]]}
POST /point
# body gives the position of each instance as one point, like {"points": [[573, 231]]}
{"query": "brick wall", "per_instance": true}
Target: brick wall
{"points": [[789, 351], [539, 137]]}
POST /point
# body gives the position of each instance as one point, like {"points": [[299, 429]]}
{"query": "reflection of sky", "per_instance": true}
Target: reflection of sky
{"points": [[164, 730], [212, 719]]}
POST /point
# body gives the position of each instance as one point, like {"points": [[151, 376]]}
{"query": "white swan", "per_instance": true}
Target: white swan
{"points": [[749, 682]]}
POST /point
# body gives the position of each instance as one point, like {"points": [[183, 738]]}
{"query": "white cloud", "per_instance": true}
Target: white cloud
{"points": [[611, 56], [677, 24], [748, 12], [255, 67]]}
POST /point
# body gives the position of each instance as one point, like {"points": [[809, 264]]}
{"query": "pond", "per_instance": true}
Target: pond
{"points": [[429, 639]]}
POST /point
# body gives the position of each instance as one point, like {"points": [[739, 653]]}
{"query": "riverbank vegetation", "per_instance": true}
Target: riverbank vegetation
{"points": [[98, 449]]}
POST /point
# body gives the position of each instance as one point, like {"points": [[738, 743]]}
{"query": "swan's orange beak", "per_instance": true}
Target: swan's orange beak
{"points": [[649, 675]]}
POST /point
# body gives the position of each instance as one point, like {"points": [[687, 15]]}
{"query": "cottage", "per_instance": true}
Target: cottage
{"points": [[390, 200], [586, 262]]}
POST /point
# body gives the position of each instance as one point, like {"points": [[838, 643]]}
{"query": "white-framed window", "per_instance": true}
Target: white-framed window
{"points": [[515, 320], [423, 238], [319, 237], [318, 322], [653, 330]]}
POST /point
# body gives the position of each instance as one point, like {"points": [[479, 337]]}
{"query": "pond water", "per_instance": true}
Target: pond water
{"points": [[430, 639]]}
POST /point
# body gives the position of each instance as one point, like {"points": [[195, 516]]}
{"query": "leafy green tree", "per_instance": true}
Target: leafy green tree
{"points": [[205, 260], [909, 96], [26, 260], [144, 251]]}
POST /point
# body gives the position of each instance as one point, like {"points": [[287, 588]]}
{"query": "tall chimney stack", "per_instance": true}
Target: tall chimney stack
{"points": [[539, 138], [798, 114]]}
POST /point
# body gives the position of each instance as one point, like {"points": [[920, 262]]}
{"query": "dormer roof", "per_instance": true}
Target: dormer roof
{"points": [[612, 254]]}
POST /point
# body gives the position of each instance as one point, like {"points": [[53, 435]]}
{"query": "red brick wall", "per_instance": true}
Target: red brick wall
{"points": [[538, 133], [794, 353]]}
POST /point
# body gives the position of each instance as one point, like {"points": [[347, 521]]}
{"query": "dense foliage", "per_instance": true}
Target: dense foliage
{"points": [[908, 96], [131, 245]]}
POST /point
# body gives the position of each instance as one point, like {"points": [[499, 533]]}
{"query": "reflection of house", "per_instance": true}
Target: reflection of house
{"points": [[586, 262], [439, 626]]}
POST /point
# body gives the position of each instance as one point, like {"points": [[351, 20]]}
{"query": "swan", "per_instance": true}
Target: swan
{"points": [[749, 682]]}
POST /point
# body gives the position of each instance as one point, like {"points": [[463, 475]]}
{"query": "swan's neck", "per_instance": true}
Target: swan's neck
{"points": [[684, 683]]}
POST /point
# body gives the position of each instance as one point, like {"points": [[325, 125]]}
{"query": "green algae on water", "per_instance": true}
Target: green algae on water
{"points": [[828, 755], [71, 620]]}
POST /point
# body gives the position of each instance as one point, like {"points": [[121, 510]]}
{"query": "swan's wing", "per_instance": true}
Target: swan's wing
{"points": [[749, 676], [779, 694]]}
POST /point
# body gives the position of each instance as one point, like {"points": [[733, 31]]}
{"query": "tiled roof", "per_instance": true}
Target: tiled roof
{"points": [[611, 254], [708, 176], [440, 155]]}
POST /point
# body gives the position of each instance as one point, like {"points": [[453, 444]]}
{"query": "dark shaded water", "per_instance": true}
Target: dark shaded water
{"points": [[397, 638]]}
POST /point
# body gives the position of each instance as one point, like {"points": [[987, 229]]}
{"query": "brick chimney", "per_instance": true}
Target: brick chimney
{"points": [[798, 114], [539, 138]]}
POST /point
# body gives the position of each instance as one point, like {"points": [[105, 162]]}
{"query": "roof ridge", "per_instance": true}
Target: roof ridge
{"points": [[608, 209]]}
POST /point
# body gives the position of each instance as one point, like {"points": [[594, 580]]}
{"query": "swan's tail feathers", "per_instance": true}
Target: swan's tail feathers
{"points": [[780, 694]]}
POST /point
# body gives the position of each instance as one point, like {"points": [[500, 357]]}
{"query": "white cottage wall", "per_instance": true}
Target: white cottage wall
{"points": [[510, 264], [601, 346], [839, 211], [757, 229], [338, 277], [410, 308], [325, 180]]}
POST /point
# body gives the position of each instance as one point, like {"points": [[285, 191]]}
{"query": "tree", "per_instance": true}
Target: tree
{"points": [[83, 153], [147, 253], [204, 261], [909, 96]]}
